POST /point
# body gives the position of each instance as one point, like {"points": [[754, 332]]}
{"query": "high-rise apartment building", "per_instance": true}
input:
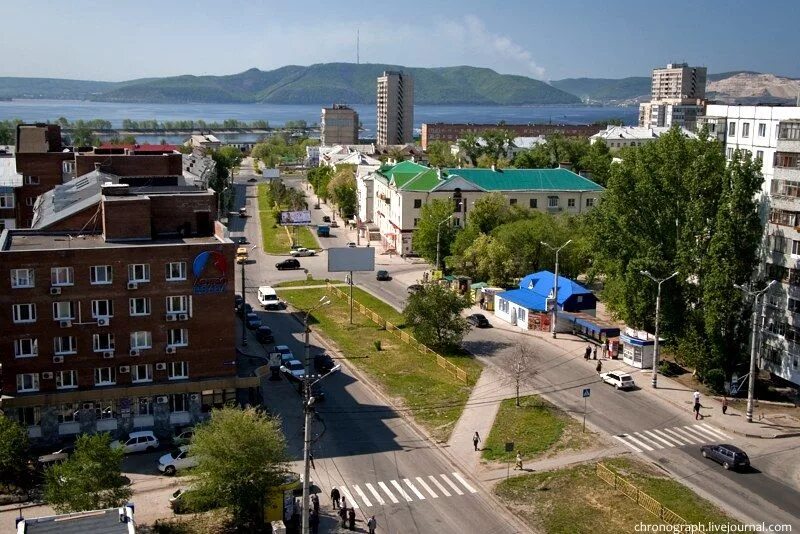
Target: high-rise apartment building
{"points": [[677, 97], [339, 126], [395, 109]]}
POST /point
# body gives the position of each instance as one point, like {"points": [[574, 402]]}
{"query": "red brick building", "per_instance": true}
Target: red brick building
{"points": [[451, 132]]}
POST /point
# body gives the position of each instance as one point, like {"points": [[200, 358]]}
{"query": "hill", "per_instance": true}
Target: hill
{"points": [[50, 88], [606, 90], [752, 87]]}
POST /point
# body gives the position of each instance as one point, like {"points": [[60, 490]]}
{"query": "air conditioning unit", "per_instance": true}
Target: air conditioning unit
{"points": [[65, 324], [171, 317], [133, 285], [124, 369], [103, 321], [170, 349], [58, 359], [161, 366], [134, 352], [47, 375], [184, 317], [162, 399], [194, 396], [108, 355], [55, 290]]}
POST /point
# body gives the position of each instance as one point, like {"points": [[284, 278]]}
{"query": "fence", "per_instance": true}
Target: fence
{"points": [[638, 496], [442, 362]]}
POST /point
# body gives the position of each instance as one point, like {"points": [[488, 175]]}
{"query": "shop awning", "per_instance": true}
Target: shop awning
{"points": [[592, 324]]}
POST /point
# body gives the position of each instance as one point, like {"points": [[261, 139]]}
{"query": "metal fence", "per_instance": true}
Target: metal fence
{"points": [[638, 496], [405, 337]]}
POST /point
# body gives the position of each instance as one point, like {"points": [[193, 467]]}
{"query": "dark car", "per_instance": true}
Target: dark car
{"points": [[237, 302], [382, 276], [730, 456], [253, 322], [414, 288], [323, 363], [478, 320], [290, 263], [242, 240], [326, 219], [247, 307], [264, 334]]}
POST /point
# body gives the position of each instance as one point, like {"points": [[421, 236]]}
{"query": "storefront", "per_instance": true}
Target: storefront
{"points": [[638, 348]]}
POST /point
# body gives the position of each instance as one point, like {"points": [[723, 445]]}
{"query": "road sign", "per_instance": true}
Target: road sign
{"points": [[586, 392], [509, 446]]}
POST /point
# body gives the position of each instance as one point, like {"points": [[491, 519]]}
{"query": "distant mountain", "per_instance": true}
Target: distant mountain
{"points": [[606, 90], [752, 87], [315, 84]]}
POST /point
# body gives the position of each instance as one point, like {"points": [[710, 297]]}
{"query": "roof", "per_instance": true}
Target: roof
{"points": [[525, 298], [9, 177], [33, 240], [541, 283], [636, 132], [95, 521], [526, 179], [401, 174]]}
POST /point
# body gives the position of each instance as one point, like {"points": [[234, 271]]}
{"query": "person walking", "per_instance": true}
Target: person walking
{"points": [[372, 525], [588, 352], [475, 440], [351, 518], [697, 410], [518, 465], [344, 502], [335, 498], [343, 516], [724, 404], [594, 353], [599, 366], [315, 502]]}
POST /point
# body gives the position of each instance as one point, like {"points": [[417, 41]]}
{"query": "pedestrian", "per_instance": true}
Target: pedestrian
{"points": [[696, 396], [335, 498], [313, 521], [483, 302], [475, 440], [372, 525], [588, 352], [351, 517], [724, 404], [343, 516], [315, 502], [606, 350], [697, 410], [344, 503], [518, 465], [599, 366], [594, 353]]}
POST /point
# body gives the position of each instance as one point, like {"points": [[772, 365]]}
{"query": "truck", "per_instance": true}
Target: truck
{"points": [[323, 230]]}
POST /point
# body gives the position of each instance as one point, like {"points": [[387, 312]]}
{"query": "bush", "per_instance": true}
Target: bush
{"points": [[715, 379], [377, 344]]}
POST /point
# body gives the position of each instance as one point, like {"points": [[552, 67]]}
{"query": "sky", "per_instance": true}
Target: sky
{"points": [[115, 40]]}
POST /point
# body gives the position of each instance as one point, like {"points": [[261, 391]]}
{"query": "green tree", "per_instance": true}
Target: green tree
{"points": [[434, 314], [7, 133], [319, 178], [82, 135], [597, 160], [497, 144], [432, 223], [489, 212], [241, 456], [342, 190], [13, 451], [439, 155], [470, 148], [226, 158], [90, 479]]}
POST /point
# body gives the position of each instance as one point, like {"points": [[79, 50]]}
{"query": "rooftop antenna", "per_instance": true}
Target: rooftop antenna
{"points": [[358, 46]]}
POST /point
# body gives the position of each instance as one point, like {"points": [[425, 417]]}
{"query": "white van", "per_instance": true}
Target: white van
{"points": [[268, 298]]}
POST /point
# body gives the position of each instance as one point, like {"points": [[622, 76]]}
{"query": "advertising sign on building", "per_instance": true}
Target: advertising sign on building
{"points": [[296, 218], [210, 270]]}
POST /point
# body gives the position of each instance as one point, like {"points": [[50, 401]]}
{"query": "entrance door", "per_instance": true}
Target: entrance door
{"points": [[514, 316]]}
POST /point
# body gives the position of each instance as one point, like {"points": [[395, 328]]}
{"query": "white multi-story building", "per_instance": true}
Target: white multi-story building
{"points": [[395, 108], [676, 97]]}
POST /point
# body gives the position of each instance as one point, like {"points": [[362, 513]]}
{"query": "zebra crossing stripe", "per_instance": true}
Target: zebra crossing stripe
{"points": [[389, 493], [669, 438], [696, 432], [714, 430], [677, 437], [659, 438], [375, 494], [427, 488], [400, 490], [414, 489], [645, 439], [450, 483], [439, 485], [362, 495], [639, 443], [686, 435], [350, 500], [464, 482], [627, 444], [706, 434]]}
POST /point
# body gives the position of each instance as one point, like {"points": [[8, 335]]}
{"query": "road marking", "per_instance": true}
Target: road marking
{"points": [[639, 443], [400, 490], [659, 438], [677, 437], [450, 483], [464, 482], [375, 494], [714, 430], [627, 444], [414, 489], [427, 488], [706, 434], [696, 432], [686, 435], [389, 493], [350, 500], [362, 495], [439, 485], [646, 439]]}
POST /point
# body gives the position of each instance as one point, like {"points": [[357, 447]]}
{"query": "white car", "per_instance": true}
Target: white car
{"points": [[618, 380], [294, 370], [176, 460], [143, 440], [303, 252]]}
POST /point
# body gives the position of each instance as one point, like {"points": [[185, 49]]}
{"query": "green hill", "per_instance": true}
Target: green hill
{"points": [[604, 89], [50, 88]]}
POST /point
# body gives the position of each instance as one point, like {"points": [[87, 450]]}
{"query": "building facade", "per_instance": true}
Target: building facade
{"points": [[617, 137], [677, 97], [452, 132], [339, 126], [395, 108]]}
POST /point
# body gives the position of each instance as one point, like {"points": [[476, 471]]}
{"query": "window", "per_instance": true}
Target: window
{"points": [[61, 276], [533, 203], [731, 128], [512, 201], [570, 202], [552, 202], [69, 412], [178, 370], [67, 379], [589, 202], [416, 222], [178, 304], [793, 305], [417, 202], [21, 278], [745, 129], [7, 200], [28, 382], [729, 153], [176, 271], [142, 373], [789, 130], [778, 244], [178, 337], [104, 376], [795, 247], [65, 345], [143, 406], [139, 272], [63, 310], [503, 305], [31, 180], [760, 155], [141, 340], [29, 416], [762, 129], [139, 306], [24, 313], [105, 409], [103, 342], [68, 167], [787, 159], [178, 402], [26, 348], [100, 274], [102, 308]]}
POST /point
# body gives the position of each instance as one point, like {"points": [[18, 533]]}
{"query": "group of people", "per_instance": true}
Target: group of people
{"points": [[347, 515]]}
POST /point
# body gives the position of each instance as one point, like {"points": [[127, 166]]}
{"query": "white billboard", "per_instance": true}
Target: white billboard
{"points": [[296, 218], [346, 259]]}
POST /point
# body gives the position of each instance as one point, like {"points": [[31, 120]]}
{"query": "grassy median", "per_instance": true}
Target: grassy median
{"points": [[275, 238], [434, 397]]}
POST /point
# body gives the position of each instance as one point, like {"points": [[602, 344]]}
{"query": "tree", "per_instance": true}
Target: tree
{"points": [[6, 133], [470, 148], [13, 450], [431, 224], [241, 456], [226, 159], [342, 190], [523, 364], [90, 479], [439, 155], [319, 178], [434, 314], [597, 160], [486, 160]]}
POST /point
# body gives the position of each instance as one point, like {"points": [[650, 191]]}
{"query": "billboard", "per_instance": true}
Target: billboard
{"points": [[346, 259], [296, 218]]}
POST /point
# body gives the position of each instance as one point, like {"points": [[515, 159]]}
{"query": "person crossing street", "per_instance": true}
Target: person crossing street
{"points": [[335, 498]]}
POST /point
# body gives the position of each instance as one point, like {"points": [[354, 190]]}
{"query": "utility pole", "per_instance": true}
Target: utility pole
{"points": [[351, 297], [654, 382], [751, 384], [555, 284], [439, 239]]}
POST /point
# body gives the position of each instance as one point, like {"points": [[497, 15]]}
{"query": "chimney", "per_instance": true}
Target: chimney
{"points": [[565, 165]]}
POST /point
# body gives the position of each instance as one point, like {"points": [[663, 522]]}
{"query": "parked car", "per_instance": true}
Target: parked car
{"points": [[248, 308], [350, 244], [478, 320], [253, 321], [57, 456], [176, 459], [264, 334], [414, 288], [290, 263], [241, 240], [382, 276], [303, 252], [142, 440], [294, 370], [730, 456], [268, 298], [323, 363], [237, 302], [285, 352], [326, 218], [618, 380], [184, 437]]}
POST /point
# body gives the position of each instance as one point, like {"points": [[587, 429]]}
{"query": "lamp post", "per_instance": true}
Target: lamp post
{"points": [[658, 310], [751, 384], [438, 238], [555, 284], [244, 302]]}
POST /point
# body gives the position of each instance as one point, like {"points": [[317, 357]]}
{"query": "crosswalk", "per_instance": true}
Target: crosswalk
{"points": [[405, 490], [650, 440]]}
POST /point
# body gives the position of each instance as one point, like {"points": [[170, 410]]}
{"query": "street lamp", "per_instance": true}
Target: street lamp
{"points": [[244, 301], [751, 384], [438, 238], [555, 284], [658, 310]]}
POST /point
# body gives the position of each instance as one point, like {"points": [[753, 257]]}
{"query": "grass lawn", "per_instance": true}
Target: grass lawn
{"points": [[576, 500], [303, 283], [536, 427], [275, 238], [434, 397]]}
